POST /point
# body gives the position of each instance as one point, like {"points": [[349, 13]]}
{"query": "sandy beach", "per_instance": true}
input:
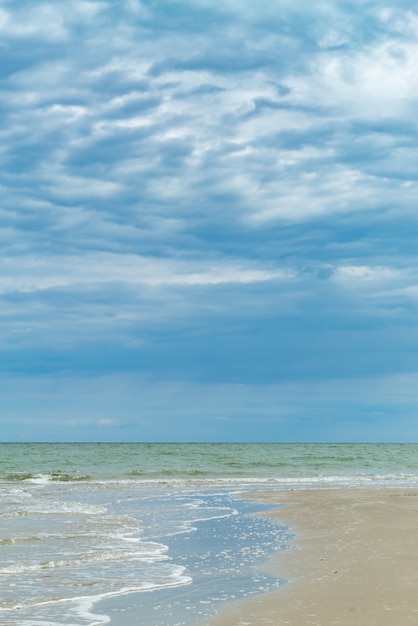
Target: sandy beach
{"points": [[354, 562]]}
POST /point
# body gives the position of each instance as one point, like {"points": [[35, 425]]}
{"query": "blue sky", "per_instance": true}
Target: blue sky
{"points": [[208, 220]]}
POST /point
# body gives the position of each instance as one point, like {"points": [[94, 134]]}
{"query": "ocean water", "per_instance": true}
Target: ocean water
{"points": [[164, 528]]}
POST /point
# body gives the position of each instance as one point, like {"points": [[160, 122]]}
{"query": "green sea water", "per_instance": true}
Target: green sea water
{"points": [[349, 464]]}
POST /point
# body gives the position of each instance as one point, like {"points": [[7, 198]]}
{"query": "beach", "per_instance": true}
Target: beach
{"points": [[354, 561], [215, 534]]}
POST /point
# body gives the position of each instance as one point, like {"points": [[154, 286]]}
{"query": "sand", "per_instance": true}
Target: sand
{"points": [[354, 562]]}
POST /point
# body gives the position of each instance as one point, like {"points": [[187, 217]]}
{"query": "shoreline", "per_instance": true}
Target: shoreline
{"points": [[353, 561]]}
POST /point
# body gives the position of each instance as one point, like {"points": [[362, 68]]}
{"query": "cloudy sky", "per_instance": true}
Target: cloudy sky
{"points": [[208, 220]]}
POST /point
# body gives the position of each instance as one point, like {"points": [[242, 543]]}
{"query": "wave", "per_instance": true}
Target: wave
{"points": [[55, 476]]}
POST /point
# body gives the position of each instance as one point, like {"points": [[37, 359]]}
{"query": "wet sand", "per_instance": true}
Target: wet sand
{"points": [[354, 562]]}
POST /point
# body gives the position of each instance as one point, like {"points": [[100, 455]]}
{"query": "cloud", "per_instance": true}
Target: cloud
{"points": [[36, 274], [234, 140], [208, 192]]}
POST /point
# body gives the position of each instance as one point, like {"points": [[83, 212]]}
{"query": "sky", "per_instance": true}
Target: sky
{"points": [[208, 220]]}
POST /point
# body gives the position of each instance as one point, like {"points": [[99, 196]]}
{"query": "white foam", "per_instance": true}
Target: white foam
{"points": [[398, 479], [81, 606]]}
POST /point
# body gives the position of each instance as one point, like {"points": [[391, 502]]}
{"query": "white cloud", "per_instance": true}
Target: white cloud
{"points": [[363, 273], [43, 21], [33, 273], [379, 80], [377, 282]]}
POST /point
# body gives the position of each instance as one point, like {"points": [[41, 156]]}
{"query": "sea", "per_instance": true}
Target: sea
{"points": [[158, 534]]}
